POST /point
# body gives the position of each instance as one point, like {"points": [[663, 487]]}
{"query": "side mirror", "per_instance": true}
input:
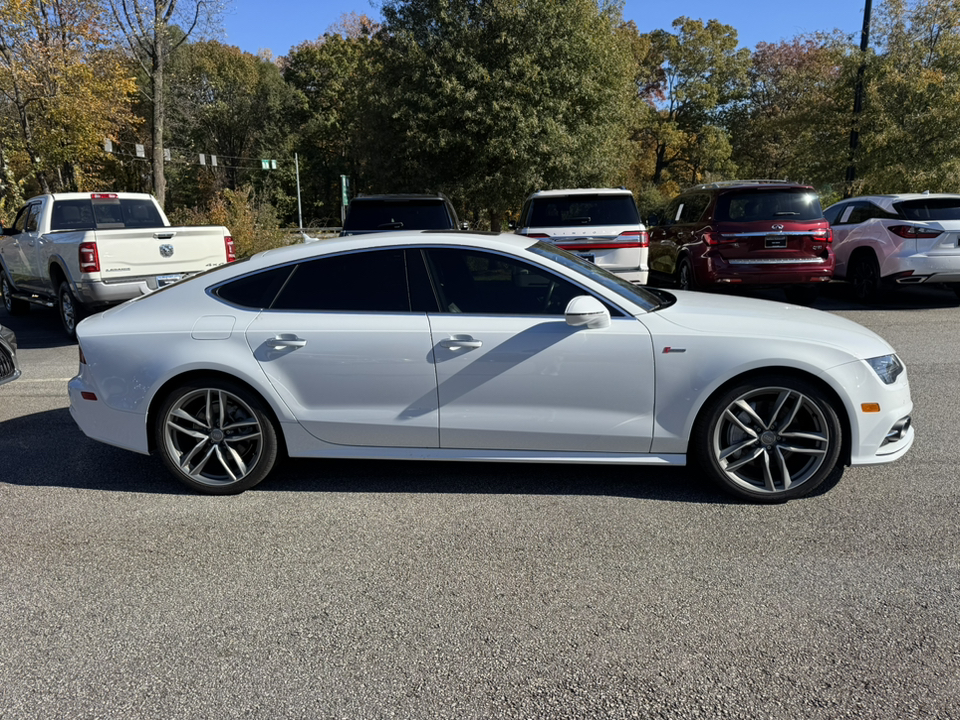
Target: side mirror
{"points": [[464, 225], [512, 224], [653, 220], [587, 311]]}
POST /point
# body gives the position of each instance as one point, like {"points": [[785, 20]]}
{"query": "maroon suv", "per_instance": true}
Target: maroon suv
{"points": [[744, 232]]}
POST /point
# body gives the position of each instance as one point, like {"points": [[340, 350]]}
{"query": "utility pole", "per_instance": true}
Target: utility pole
{"points": [[858, 98]]}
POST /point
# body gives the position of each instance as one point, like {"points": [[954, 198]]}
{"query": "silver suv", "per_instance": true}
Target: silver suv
{"points": [[601, 225]]}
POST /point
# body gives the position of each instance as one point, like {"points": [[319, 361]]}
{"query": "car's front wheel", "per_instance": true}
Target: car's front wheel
{"points": [[12, 305], [769, 439], [216, 436]]}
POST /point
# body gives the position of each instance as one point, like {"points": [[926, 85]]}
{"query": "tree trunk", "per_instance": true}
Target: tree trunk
{"points": [[159, 178]]}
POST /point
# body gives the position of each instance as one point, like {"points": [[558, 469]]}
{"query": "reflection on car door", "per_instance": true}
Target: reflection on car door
{"points": [[513, 375], [344, 351]]}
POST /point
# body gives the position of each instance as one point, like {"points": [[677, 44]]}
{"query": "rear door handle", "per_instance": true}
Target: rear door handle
{"points": [[286, 341], [460, 342]]}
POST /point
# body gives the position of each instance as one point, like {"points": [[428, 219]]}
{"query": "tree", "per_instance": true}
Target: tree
{"points": [[795, 122], [908, 132], [703, 75], [225, 102], [334, 76], [487, 100], [153, 30], [62, 91]]}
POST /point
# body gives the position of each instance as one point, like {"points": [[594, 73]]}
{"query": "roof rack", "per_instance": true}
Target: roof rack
{"points": [[734, 183]]}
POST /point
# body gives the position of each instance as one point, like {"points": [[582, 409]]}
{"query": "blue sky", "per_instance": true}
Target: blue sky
{"points": [[279, 25]]}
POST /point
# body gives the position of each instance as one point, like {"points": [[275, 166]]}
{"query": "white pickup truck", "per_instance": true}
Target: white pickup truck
{"points": [[83, 252]]}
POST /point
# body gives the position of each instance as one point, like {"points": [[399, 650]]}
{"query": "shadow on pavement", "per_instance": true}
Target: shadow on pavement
{"points": [[48, 449]]}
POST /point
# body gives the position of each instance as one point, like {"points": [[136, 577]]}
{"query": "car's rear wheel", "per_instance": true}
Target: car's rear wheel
{"points": [[12, 305], [864, 275], [769, 439], [685, 278], [216, 436], [70, 309]]}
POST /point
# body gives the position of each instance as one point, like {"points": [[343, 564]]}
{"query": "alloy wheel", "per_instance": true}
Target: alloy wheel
{"points": [[213, 437]]}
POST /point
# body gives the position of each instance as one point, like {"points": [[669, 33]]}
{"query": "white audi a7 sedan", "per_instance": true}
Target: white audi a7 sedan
{"points": [[482, 347]]}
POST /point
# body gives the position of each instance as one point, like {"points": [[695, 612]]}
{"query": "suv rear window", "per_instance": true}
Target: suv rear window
{"points": [[770, 205], [583, 210], [372, 215], [930, 209]]}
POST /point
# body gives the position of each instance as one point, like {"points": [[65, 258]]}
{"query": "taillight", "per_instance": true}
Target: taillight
{"points": [[538, 236], [89, 260], [103, 196], [829, 236], [230, 248], [715, 238], [629, 239], [912, 231]]}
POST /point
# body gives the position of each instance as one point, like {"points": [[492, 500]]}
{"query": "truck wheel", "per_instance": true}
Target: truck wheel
{"points": [[71, 311], [11, 304]]}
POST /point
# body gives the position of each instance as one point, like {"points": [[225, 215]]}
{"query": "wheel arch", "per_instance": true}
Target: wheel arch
{"points": [[191, 375], [841, 409]]}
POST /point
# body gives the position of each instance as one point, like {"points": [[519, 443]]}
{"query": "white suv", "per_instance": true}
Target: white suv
{"points": [[904, 239], [601, 225]]}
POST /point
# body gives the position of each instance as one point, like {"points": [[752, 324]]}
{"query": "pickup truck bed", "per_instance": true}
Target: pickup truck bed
{"points": [[83, 252]]}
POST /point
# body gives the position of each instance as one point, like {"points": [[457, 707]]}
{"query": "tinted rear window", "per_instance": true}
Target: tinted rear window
{"points": [[583, 210], [87, 214], [397, 215], [930, 209], [768, 205]]}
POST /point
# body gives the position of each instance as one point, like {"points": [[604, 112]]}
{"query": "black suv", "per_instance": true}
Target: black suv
{"points": [[744, 232], [384, 213]]}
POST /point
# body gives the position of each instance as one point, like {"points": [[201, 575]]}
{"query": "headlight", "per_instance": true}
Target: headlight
{"points": [[887, 367]]}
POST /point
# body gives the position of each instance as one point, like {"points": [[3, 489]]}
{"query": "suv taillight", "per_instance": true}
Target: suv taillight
{"points": [[538, 236], [912, 231], [89, 260], [715, 238], [230, 248]]}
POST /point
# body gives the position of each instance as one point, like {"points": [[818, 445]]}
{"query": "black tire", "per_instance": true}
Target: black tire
{"points": [[864, 275], [70, 310], [801, 294], [14, 306], [769, 439], [216, 436], [685, 278]]}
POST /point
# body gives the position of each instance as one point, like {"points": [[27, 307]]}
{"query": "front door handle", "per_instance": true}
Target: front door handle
{"points": [[460, 342], [286, 341]]}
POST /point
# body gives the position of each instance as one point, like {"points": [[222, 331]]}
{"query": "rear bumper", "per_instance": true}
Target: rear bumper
{"points": [[916, 269], [715, 270]]}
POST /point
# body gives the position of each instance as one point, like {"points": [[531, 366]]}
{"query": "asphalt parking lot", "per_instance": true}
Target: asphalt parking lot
{"points": [[428, 590]]}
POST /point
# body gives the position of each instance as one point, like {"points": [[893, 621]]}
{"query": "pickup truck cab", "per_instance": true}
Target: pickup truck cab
{"points": [[83, 252]]}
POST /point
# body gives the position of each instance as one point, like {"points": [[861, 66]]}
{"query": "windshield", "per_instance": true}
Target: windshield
{"points": [[625, 289], [769, 206], [930, 209]]}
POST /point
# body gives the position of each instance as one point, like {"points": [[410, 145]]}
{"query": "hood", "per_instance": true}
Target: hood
{"points": [[748, 317]]}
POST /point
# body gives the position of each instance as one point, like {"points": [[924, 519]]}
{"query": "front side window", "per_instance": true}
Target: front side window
{"points": [[485, 283]]}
